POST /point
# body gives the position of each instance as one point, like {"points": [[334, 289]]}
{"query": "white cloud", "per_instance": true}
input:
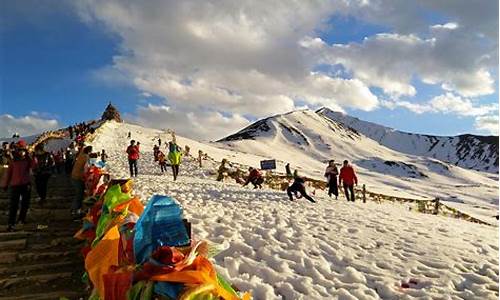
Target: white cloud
{"points": [[238, 57], [392, 61], [446, 104], [200, 125], [25, 125], [449, 103], [488, 124], [259, 58], [452, 104]]}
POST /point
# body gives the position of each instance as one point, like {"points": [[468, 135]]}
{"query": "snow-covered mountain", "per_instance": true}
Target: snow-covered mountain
{"points": [[307, 140], [468, 151], [279, 249]]}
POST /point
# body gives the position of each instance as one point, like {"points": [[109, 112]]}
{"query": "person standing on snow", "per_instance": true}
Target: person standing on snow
{"points": [[255, 178], [222, 169], [104, 156], [18, 179], [288, 171], [331, 173], [298, 186], [159, 142], [348, 176], [174, 156], [156, 151], [133, 156], [44, 162], [162, 161], [200, 157]]}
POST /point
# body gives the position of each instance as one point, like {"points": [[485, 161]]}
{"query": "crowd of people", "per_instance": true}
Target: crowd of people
{"points": [[79, 130], [172, 159], [19, 164]]}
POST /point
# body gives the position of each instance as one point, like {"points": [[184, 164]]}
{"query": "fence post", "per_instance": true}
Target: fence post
{"points": [[364, 193], [436, 206]]}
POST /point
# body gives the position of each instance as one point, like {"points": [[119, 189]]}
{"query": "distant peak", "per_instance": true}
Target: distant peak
{"points": [[325, 109]]}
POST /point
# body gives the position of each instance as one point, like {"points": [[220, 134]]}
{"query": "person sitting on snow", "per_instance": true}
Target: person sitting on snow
{"points": [[298, 185], [255, 178]]}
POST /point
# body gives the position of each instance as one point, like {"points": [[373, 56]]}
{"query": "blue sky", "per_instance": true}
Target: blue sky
{"points": [[65, 62]]}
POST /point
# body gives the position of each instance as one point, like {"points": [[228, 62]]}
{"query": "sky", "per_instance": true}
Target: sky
{"points": [[208, 69]]}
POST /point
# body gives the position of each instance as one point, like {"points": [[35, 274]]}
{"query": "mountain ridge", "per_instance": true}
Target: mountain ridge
{"points": [[466, 150]]}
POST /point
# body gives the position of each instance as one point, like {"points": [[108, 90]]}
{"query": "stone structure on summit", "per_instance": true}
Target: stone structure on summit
{"points": [[111, 113]]}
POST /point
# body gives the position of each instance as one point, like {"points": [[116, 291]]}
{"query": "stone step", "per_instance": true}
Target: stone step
{"points": [[49, 203], [42, 255], [42, 228], [44, 214], [64, 196], [18, 244], [7, 236], [48, 296], [26, 281], [41, 260], [60, 265]]}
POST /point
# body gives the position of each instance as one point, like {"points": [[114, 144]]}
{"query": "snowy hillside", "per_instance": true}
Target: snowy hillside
{"points": [[279, 249], [307, 140], [467, 151]]}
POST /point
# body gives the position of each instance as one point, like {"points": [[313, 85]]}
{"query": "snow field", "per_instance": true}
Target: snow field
{"points": [[329, 250]]}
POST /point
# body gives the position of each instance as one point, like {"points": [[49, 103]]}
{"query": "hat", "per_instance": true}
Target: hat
{"points": [[21, 144]]}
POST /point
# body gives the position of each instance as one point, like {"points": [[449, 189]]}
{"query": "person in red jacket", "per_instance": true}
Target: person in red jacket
{"points": [[255, 178], [348, 176], [133, 156], [19, 181]]}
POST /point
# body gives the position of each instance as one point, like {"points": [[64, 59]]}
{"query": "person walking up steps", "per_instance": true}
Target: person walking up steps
{"points": [[174, 156], [298, 185], [133, 156], [348, 176], [331, 173], [77, 180], [18, 179], [43, 165]]}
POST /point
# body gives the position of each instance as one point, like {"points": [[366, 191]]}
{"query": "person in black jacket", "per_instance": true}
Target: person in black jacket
{"points": [[43, 165], [298, 186], [331, 173]]}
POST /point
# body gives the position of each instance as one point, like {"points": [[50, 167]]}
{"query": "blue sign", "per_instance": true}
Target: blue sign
{"points": [[268, 164]]}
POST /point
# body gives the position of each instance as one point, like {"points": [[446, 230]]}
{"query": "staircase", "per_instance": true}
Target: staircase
{"points": [[41, 259]]}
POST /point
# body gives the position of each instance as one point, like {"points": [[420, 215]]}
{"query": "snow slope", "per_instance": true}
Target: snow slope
{"points": [[328, 250], [467, 151], [307, 140]]}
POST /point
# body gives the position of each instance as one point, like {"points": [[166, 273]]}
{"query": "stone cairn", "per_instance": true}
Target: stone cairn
{"points": [[111, 113]]}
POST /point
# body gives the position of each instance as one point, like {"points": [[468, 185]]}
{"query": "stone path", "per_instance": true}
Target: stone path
{"points": [[41, 259]]}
